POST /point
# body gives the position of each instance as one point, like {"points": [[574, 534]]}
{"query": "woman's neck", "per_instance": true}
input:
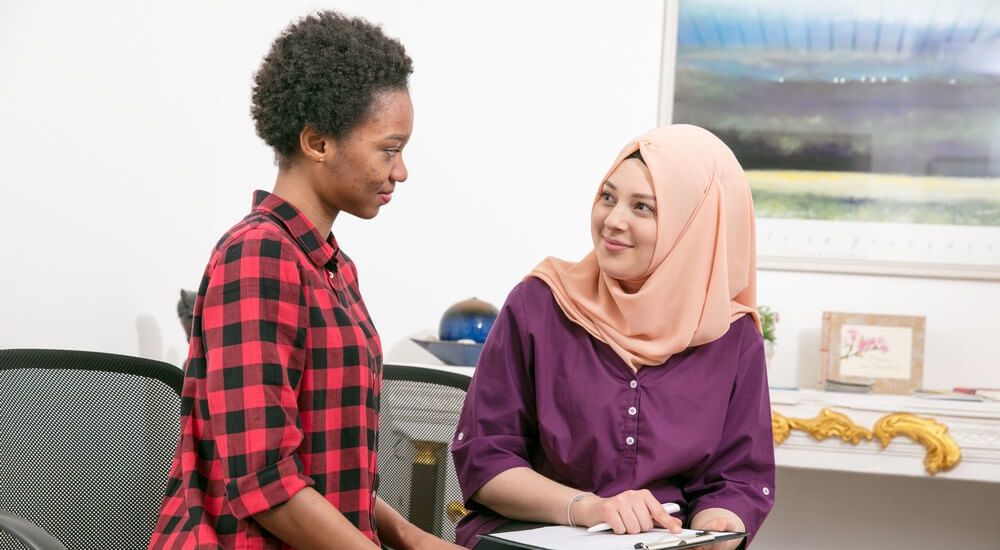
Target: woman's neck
{"points": [[295, 187]]}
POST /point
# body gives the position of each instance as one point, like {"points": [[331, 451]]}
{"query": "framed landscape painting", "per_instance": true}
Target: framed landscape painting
{"points": [[870, 131]]}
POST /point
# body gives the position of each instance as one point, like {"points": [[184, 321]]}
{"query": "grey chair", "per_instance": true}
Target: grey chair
{"points": [[86, 443], [419, 412]]}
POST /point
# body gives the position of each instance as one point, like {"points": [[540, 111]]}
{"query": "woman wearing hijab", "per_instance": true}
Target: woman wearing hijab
{"points": [[635, 376]]}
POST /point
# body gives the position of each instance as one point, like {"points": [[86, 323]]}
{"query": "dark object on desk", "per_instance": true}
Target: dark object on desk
{"points": [[458, 354], [848, 387], [419, 413], [86, 444], [185, 310], [469, 319]]}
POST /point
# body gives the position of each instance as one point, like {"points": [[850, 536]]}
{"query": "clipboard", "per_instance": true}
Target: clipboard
{"points": [[576, 538]]}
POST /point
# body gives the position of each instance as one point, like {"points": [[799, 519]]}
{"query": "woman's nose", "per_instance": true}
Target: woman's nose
{"points": [[615, 219], [399, 172]]}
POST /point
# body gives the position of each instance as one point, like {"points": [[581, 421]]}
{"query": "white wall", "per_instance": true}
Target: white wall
{"points": [[127, 149], [959, 322], [109, 137]]}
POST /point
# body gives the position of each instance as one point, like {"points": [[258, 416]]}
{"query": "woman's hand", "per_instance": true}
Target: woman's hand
{"points": [[430, 542], [397, 532], [718, 519], [628, 512]]}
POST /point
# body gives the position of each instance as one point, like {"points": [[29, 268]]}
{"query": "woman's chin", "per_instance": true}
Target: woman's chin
{"points": [[612, 272], [365, 213]]}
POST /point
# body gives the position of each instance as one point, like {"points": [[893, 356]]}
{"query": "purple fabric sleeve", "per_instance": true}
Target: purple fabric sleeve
{"points": [[739, 476], [498, 423]]}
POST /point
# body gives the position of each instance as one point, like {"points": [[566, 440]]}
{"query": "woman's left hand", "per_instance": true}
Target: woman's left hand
{"points": [[718, 519]]}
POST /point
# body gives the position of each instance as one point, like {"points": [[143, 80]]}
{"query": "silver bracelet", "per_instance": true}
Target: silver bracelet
{"points": [[569, 506]]}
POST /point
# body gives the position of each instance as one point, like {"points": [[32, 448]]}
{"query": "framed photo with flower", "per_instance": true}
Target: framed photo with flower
{"points": [[886, 351]]}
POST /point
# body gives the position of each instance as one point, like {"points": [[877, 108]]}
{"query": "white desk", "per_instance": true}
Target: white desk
{"points": [[971, 428]]}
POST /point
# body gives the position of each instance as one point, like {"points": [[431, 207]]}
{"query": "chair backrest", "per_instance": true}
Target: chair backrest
{"points": [[419, 412], [86, 442]]}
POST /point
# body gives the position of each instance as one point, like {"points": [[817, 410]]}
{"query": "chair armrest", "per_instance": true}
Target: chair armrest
{"points": [[30, 534]]}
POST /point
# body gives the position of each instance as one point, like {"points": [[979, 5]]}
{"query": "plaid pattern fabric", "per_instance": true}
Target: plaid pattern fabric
{"points": [[281, 386]]}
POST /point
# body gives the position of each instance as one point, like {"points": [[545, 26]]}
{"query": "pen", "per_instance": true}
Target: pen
{"points": [[670, 507], [703, 536]]}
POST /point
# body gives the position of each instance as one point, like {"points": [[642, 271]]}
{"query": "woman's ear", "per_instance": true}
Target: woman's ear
{"points": [[315, 145]]}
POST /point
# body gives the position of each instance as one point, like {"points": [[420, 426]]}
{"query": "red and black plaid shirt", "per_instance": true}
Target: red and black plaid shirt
{"points": [[281, 386]]}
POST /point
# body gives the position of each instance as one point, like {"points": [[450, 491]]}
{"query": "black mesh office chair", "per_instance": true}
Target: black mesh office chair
{"points": [[86, 441], [419, 412]]}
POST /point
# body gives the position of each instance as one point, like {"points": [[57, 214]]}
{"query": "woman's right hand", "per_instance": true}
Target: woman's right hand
{"points": [[627, 512]]}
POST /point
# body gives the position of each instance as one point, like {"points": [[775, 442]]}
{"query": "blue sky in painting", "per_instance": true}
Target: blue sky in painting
{"points": [[892, 39]]}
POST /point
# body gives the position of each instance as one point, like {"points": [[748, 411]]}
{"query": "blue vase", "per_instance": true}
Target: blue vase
{"points": [[469, 319]]}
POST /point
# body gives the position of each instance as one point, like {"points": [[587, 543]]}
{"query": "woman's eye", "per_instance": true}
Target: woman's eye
{"points": [[606, 197], [644, 207]]}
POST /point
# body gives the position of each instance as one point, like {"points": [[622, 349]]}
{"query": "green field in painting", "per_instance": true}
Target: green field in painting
{"points": [[849, 196]]}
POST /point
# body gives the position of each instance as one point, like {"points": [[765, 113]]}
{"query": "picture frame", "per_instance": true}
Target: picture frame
{"points": [[842, 202], [884, 350]]}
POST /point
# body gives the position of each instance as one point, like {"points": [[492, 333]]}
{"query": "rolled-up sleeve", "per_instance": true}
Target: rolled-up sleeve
{"points": [[498, 427], [740, 474], [253, 326]]}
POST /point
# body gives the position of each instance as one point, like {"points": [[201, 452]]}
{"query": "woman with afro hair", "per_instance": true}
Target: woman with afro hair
{"points": [[279, 415]]}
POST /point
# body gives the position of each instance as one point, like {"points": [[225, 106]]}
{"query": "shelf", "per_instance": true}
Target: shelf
{"points": [[958, 439]]}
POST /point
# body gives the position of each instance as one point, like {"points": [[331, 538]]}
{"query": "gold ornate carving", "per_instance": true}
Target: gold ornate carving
{"points": [[942, 452], [828, 424], [455, 511], [780, 427]]}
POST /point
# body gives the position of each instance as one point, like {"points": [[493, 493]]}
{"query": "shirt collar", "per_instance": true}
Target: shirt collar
{"points": [[322, 252]]}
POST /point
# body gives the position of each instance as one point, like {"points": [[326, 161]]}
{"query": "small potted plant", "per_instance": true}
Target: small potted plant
{"points": [[768, 323]]}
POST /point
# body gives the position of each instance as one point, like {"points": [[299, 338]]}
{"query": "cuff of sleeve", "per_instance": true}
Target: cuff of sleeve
{"points": [[481, 459], [496, 468], [260, 491]]}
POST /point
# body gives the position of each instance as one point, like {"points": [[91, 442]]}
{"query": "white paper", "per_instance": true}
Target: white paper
{"points": [[561, 537]]}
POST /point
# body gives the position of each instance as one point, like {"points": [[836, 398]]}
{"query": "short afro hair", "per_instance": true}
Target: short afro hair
{"points": [[324, 71]]}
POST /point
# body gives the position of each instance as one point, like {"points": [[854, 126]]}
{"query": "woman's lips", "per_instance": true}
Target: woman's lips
{"points": [[615, 246]]}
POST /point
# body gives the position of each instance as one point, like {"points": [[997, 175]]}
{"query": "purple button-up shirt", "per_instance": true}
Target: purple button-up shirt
{"points": [[695, 430]]}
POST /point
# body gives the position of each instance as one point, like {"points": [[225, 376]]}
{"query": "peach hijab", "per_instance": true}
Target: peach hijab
{"points": [[703, 273]]}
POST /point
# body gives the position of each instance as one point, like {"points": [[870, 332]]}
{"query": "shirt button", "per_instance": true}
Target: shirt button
{"points": [[766, 491], [632, 410], [461, 436], [633, 384], [630, 440]]}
